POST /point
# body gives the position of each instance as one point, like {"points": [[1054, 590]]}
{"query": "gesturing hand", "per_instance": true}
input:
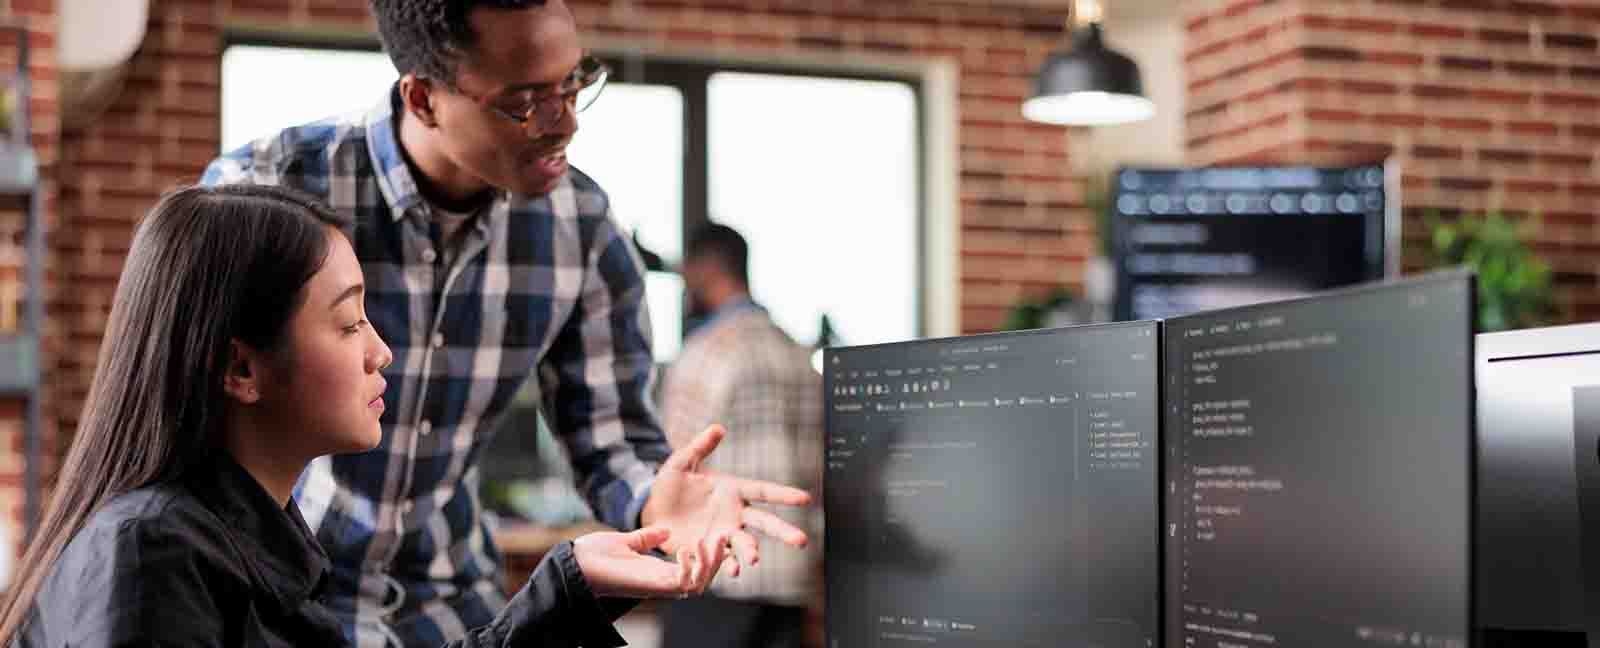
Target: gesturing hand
{"points": [[616, 565], [707, 512]]}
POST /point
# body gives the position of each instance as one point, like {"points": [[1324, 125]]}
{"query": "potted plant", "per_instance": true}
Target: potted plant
{"points": [[1050, 310], [1514, 288]]}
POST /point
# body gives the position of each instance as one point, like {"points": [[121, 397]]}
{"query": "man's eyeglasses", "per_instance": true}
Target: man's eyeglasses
{"points": [[541, 113]]}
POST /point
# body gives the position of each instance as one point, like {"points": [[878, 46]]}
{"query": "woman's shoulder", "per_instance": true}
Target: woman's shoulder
{"points": [[137, 538], [150, 562]]}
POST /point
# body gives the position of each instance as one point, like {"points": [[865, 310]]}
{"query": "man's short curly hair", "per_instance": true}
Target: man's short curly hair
{"points": [[427, 37]]}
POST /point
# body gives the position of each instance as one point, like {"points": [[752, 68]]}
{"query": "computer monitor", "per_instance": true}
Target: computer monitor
{"points": [[1317, 462], [1190, 240], [994, 490], [1536, 445]]}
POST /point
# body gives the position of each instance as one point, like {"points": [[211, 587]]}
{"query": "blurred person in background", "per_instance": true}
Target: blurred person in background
{"points": [[737, 367]]}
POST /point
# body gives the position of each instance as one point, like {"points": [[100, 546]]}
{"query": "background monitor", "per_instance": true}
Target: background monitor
{"points": [[1536, 406], [1189, 240], [1318, 465], [995, 490]]}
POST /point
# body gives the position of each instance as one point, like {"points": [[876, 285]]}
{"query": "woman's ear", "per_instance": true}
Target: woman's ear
{"points": [[241, 380]]}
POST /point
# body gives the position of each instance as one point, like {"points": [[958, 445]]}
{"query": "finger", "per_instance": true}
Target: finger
{"points": [[673, 581], [716, 548], [771, 525], [753, 490], [729, 557], [697, 573], [689, 457], [648, 538], [686, 572], [746, 549]]}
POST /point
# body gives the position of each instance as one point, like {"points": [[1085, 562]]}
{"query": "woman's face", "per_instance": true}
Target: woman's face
{"points": [[326, 382]]}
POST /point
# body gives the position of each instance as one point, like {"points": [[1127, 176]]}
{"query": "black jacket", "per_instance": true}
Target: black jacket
{"points": [[211, 560]]}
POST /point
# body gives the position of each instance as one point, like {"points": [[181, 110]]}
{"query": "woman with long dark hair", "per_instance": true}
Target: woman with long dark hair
{"points": [[237, 351]]}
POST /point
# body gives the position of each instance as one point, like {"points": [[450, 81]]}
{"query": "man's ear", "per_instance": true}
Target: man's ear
{"points": [[241, 380], [417, 94]]}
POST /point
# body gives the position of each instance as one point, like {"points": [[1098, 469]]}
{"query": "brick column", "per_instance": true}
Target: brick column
{"points": [[1486, 104]]}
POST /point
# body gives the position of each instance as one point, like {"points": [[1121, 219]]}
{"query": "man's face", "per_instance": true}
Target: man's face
{"points": [[520, 54]]}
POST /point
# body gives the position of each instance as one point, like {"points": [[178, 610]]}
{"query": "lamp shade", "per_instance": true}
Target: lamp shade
{"points": [[1088, 86]]}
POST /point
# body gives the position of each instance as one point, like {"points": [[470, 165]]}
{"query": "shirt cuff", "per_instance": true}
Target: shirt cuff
{"points": [[591, 617]]}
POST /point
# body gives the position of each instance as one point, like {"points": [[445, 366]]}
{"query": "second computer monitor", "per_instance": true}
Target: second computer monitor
{"points": [[1538, 486], [995, 490], [1318, 470]]}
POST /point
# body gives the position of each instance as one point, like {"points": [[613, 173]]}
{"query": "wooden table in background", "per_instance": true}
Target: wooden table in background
{"points": [[523, 545]]}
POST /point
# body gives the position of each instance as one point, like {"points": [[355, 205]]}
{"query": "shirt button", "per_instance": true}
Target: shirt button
{"points": [[438, 340], [428, 255], [425, 428]]}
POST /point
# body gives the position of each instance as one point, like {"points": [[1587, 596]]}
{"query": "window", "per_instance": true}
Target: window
{"points": [[822, 172], [631, 142], [268, 88], [820, 175]]}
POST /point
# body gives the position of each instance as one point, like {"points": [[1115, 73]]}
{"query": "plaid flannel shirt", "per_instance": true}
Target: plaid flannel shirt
{"points": [[741, 370], [542, 283]]}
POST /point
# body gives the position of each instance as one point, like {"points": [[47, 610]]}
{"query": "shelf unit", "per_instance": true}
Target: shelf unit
{"points": [[19, 349]]}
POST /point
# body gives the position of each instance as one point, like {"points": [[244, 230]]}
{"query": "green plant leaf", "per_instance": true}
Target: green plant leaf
{"points": [[1513, 282]]}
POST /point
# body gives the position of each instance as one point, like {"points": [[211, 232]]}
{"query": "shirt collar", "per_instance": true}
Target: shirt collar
{"points": [[728, 309], [395, 178], [737, 304], [395, 181]]}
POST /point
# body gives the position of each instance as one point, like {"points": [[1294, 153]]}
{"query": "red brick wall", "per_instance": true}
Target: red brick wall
{"points": [[1487, 105], [1024, 229], [159, 133]]}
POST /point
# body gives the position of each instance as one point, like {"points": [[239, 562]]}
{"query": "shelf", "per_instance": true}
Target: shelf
{"points": [[19, 171], [19, 364]]}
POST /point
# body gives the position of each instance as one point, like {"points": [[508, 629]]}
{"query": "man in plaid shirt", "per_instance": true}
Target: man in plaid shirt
{"points": [[486, 259]]}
